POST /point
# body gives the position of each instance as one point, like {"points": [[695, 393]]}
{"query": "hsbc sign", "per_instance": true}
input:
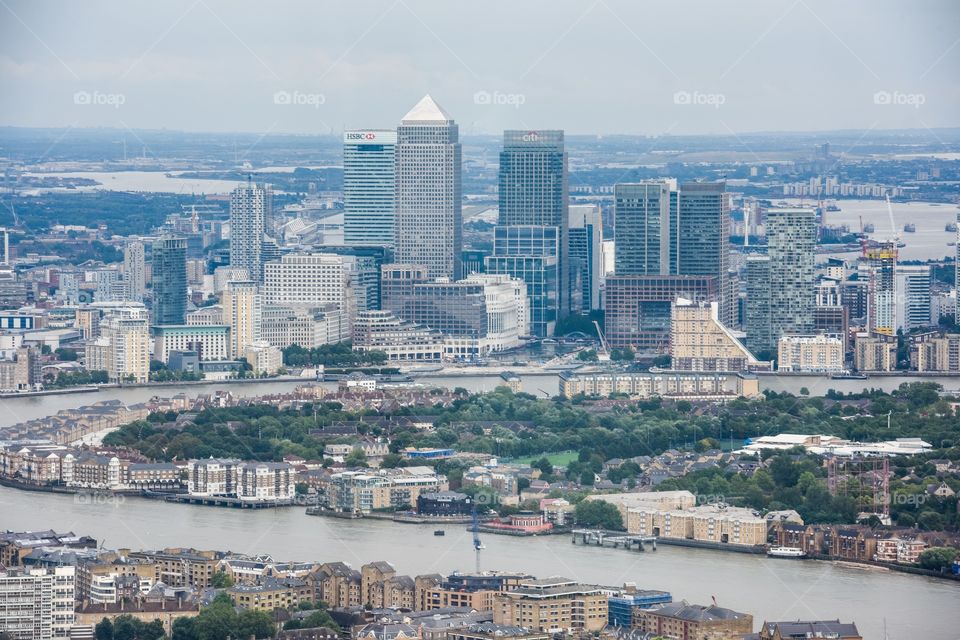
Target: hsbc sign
{"points": [[370, 137]]}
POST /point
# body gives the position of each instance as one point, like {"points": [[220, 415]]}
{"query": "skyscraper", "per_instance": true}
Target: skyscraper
{"points": [[913, 296], [429, 223], [586, 259], [642, 225], [756, 317], [241, 312], [369, 180], [531, 253], [791, 245], [135, 269], [250, 207], [169, 280], [700, 238], [533, 191]]}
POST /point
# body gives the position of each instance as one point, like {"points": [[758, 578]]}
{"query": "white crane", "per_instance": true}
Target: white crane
{"points": [[604, 352]]}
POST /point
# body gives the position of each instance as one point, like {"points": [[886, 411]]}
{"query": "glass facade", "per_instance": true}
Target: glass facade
{"points": [[169, 280], [368, 187]]}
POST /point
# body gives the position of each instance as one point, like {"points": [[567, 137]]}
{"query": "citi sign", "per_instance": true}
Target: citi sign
{"points": [[533, 136]]}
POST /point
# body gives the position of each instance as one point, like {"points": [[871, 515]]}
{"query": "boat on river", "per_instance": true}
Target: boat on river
{"points": [[794, 553]]}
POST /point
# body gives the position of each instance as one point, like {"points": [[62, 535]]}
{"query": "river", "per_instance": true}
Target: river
{"points": [[913, 606], [16, 410]]}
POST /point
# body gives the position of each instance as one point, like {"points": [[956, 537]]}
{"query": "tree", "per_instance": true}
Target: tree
{"points": [[588, 355], [253, 623], [938, 558], [104, 630], [357, 458], [598, 513], [221, 580]]}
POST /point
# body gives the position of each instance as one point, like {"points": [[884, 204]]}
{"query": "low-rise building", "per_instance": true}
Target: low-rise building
{"points": [[210, 342], [683, 621], [688, 385], [810, 354], [805, 629], [553, 605], [272, 593], [875, 352]]}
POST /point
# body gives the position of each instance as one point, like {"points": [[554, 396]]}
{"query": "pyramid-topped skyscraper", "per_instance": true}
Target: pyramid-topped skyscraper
{"points": [[428, 194]]}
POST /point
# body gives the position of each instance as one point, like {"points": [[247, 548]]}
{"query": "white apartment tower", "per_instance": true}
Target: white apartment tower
{"points": [[37, 604], [428, 227], [251, 206]]}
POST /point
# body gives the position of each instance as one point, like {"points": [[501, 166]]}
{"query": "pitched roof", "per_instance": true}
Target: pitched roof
{"points": [[427, 110]]}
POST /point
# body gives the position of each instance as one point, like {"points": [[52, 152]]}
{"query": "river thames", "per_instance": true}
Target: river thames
{"points": [[912, 606]]}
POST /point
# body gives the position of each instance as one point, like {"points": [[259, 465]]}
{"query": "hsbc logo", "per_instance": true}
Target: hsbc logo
{"points": [[361, 135]]}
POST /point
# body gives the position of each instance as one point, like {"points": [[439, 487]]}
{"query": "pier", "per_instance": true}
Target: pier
{"points": [[224, 501], [614, 539]]}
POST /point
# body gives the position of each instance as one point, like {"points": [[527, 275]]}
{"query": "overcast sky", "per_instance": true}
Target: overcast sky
{"points": [[604, 66]]}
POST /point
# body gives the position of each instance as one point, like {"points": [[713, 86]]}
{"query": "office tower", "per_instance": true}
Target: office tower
{"points": [[638, 308], [956, 272], [37, 604], [368, 187], [791, 245], [642, 228], [250, 207], [474, 261], [309, 279], [429, 225], [135, 269], [878, 267], [533, 191], [757, 319], [700, 229], [169, 280], [241, 312], [913, 292], [531, 253], [586, 254], [396, 285]]}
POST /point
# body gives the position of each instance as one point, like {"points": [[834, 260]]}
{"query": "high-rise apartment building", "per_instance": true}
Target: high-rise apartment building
{"points": [[913, 296], [878, 268], [251, 205], [791, 247], [123, 348], [756, 317], [428, 223], [533, 186], [169, 280], [241, 312], [369, 180], [135, 270], [37, 604], [586, 255]]}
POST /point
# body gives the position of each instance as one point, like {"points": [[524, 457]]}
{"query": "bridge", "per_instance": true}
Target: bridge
{"points": [[614, 539]]}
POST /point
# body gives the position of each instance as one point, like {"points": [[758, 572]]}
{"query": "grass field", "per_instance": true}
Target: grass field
{"points": [[561, 459]]}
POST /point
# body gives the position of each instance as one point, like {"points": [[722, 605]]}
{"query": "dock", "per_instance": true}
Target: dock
{"points": [[614, 539], [224, 501]]}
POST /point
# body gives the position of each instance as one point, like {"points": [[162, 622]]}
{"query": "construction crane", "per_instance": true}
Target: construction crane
{"points": [[604, 353], [475, 528]]}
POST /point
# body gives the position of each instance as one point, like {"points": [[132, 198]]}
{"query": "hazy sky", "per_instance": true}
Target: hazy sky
{"points": [[587, 66]]}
